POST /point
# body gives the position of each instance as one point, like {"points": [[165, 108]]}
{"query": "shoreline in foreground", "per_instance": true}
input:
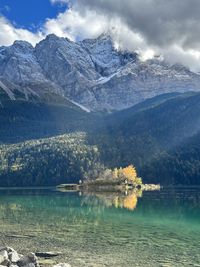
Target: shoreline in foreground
{"points": [[11, 258]]}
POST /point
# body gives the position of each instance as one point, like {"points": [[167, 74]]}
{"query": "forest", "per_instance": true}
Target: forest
{"points": [[50, 144]]}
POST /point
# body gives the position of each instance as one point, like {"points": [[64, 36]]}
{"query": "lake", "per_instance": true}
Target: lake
{"points": [[159, 228]]}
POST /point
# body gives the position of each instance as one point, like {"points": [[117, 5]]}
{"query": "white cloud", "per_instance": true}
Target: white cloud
{"points": [[189, 57], [168, 28], [53, 2], [8, 33], [73, 25], [79, 26], [153, 27]]}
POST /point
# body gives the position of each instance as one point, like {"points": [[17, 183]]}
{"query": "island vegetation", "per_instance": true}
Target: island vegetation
{"points": [[111, 180], [117, 176]]}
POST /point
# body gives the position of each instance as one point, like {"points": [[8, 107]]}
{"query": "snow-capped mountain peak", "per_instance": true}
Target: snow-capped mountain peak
{"points": [[22, 45], [92, 72]]}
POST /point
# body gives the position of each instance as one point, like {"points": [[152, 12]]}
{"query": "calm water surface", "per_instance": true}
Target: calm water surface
{"points": [[105, 229]]}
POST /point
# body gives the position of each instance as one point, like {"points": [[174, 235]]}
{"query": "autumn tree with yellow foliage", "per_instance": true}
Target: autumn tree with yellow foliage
{"points": [[128, 173]]}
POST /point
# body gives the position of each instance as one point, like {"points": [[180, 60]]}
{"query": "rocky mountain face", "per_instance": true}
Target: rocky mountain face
{"points": [[90, 72], [20, 73]]}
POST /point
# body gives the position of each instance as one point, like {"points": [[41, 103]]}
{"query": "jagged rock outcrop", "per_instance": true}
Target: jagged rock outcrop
{"points": [[107, 60]]}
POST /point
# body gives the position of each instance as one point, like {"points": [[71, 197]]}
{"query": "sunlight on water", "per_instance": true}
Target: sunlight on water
{"points": [[105, 229]]}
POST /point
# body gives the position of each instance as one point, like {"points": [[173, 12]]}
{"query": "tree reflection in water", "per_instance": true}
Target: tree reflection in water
{"points": [[127, 200]]}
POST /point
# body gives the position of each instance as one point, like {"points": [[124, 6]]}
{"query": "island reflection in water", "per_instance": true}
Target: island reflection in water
{"points": [[161, 228], [127, 199]]}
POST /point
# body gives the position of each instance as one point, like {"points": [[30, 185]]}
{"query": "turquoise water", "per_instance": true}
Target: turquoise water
{"points": [[160, 228]]}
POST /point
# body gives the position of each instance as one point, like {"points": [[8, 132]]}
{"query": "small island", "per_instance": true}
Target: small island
{"points": [[117, 179]]}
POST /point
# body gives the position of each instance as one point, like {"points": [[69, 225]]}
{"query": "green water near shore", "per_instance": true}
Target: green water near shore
{"points": [[155, 229]]}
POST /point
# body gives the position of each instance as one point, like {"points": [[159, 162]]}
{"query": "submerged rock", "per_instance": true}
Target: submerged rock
{"points": [[47, 262], [49, 254], [62, 265], [30, 265]]}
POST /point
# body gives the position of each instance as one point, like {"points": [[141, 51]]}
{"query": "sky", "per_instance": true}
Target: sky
{"points": [[150, 27], [29, 14]]}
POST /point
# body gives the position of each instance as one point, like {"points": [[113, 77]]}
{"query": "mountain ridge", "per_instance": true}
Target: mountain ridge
{"points": [[40, 144], [92, 73]]}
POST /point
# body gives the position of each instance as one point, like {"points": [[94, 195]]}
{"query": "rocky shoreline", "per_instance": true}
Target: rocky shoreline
{"points": [[11, 258]]}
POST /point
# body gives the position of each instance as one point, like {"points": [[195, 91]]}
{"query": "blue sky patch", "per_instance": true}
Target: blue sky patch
{"points": [[29, 14]]}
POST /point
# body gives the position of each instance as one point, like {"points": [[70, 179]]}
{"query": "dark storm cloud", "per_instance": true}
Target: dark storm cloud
{"points": [[160, 22]]}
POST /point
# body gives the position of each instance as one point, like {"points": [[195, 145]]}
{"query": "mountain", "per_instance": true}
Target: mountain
{"points": [[21, 76], [143, 80], [106, 58], [22, 120], [56, 123], [91, 72], [180, 166], [155, 126], [160, 136]]}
